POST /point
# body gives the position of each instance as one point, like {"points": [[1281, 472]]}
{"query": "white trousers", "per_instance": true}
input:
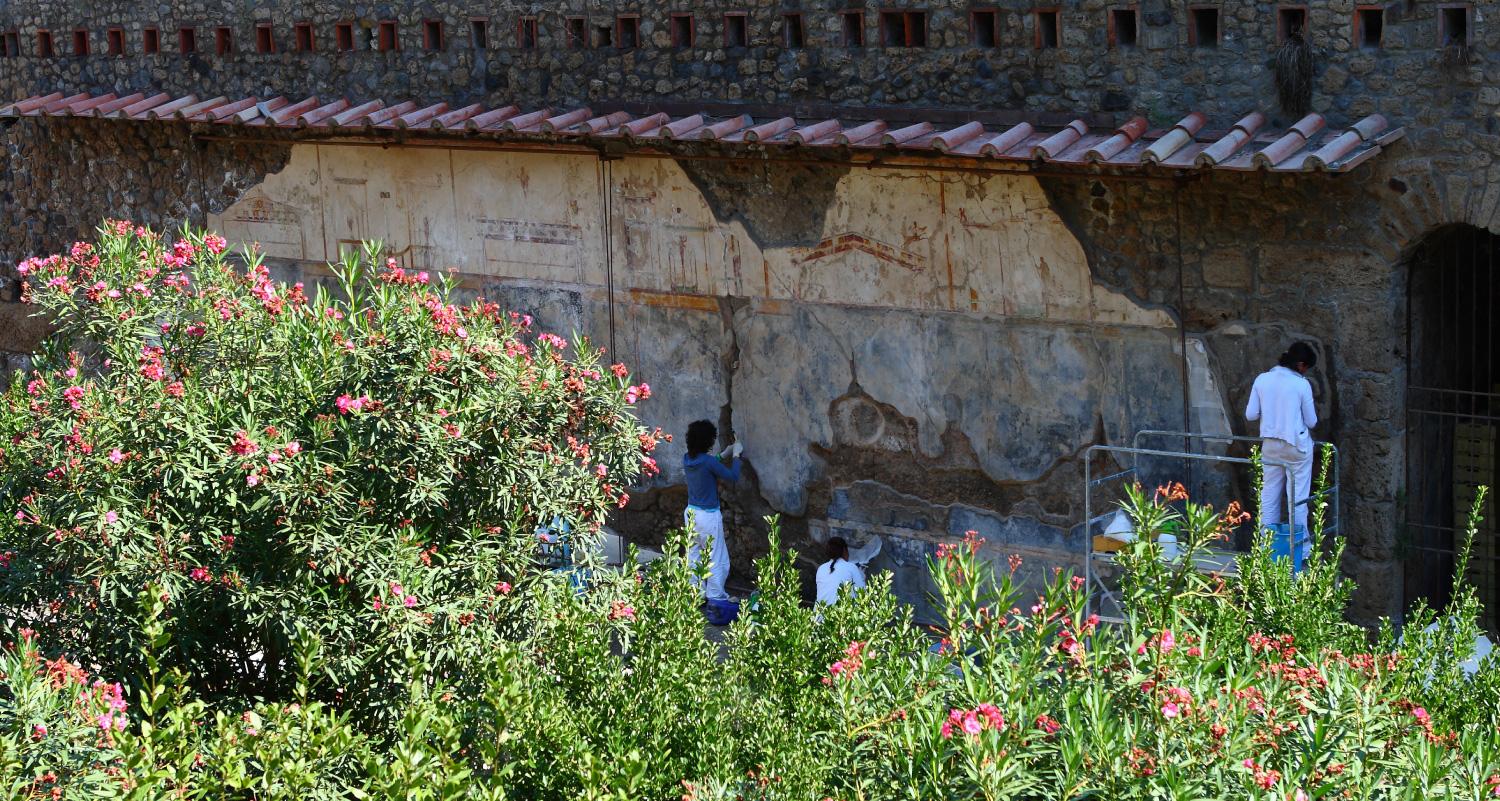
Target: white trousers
{"points": [[707, 529], [1273, 493]]}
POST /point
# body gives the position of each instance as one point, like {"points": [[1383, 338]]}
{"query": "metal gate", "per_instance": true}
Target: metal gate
{"points": [[1453, 414]]}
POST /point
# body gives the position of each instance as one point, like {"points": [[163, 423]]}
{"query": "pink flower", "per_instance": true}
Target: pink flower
{"points": [[971, 723], [243, 445], [638, 392], [116, 456], [1170, 710], [619, 610], [38, 731], [174, 389], [503, 588], [252, 480], [553, 340], [215, 243], [293, 448], [601, 471], [348, 405], [378, 605], [1047, 724], [619, 370], [74, 396], [409, 601], [273, 457], [200, 574], [992, 717], [1168, 642], [110, 517], [1420, 713]]}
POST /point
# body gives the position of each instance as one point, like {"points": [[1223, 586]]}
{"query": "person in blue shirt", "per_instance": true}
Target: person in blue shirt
{"points": [[703, 516]]}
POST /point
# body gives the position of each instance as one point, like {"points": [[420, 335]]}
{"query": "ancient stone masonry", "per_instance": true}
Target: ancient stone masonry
{"points": [[913, 352], [158, 178], [1152, 57]]}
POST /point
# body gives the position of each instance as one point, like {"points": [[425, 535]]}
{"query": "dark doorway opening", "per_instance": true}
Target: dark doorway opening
{"points": [[1453, 414]]}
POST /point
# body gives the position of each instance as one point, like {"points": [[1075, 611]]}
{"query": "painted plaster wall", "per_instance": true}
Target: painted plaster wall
{"points": [[932, 318]]}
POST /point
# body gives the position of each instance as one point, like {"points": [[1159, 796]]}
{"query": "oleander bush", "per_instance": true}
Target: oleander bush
{"points": [[365, 465], [506, 680]]}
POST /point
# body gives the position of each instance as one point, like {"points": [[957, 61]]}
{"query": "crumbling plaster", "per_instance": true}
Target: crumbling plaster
{"points": [[957, 303]]}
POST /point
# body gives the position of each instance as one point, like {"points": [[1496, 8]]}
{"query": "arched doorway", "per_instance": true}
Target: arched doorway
{"points": [[1453, 412]]}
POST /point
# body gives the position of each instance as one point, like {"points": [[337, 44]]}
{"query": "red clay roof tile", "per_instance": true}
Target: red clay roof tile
{"points": [[1246, 145]]}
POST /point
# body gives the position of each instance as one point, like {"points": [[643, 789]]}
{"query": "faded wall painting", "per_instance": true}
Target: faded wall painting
{"points": [[899, 239], [937, 330]]}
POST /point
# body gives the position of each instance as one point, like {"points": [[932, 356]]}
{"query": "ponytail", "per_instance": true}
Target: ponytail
{"points": [[837, 549], [1298, 353]]}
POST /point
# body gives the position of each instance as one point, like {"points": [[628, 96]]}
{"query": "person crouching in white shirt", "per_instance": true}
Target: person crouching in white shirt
{"points": [[1281, 399], [837, 571]]}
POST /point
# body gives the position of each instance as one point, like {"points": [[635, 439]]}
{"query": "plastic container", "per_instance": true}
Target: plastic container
{"points": [[1287, 543], [721, 612]]}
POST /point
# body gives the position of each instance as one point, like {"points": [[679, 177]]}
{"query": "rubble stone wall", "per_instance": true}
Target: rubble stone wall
{"points": [[1164, 74]]}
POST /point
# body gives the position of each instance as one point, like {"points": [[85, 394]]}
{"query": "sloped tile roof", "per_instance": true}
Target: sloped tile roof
{"points": [[1248, 144]]}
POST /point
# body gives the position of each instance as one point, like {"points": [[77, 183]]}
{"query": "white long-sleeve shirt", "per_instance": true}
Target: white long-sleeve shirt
{"points": [[1281, 399], [832, 575]]}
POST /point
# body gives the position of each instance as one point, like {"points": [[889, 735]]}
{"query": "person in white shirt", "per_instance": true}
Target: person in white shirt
{"points": [[1281, 399], [837, 571]]}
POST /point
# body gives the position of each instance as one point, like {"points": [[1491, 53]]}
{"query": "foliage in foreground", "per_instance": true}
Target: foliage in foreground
{"points": [[615, 694], [1250, 687], [365, 466]]}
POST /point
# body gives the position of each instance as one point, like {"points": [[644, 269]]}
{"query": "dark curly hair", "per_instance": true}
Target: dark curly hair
{"points": [[700, 437], [1298, 353]]}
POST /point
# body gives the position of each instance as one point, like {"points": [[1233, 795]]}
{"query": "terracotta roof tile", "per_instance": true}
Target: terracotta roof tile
{"points": [[565, 120], [1226, 146], [808, 134], [317, 115], [417, 118], [1058, 143], [152, 102], [1249, 144], [728, 127], [769, 130], [861, 133], [354, 115]]}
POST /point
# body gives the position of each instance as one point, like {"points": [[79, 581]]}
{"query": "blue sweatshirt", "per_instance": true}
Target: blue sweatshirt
{"points": [[703, 474]]}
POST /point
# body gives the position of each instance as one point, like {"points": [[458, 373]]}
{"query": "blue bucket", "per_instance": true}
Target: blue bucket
{"points": [[721, 612], [1287, 543]]}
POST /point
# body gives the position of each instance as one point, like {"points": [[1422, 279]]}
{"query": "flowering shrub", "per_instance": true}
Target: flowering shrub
{"points": [[590, 700], [363, 465], [1188, 699], [262, 613], [59, 727]]}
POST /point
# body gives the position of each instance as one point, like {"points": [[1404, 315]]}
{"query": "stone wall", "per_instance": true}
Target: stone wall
{"points": [[61, 181], [1165, 74]]}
